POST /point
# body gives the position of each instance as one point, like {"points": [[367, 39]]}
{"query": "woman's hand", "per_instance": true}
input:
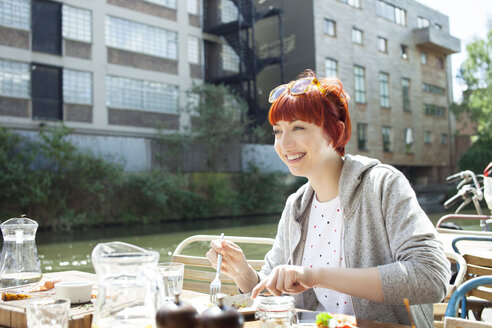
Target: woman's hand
{"points": [[288, 279], [234, 263]]}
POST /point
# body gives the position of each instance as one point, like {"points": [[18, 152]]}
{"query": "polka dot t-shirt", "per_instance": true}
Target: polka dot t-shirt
{"points": [[324, 248]]}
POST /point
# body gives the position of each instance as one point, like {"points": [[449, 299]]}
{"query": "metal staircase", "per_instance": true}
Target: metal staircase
{"points": [[240, 36]]}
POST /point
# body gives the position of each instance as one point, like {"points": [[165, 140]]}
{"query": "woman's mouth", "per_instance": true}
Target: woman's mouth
{"points": [[295, 158]]}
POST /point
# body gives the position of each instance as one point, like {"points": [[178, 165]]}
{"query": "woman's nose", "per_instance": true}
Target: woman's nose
{"points": [[286, 140]]}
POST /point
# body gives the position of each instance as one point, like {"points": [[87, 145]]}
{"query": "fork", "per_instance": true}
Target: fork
{"points": [[215, 286]]}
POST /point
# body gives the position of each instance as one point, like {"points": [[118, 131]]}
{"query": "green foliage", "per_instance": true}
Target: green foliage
{"points": [[476, 73], [478, 156], [47, 178], [252, 186], [62, 188], [218, 119]]}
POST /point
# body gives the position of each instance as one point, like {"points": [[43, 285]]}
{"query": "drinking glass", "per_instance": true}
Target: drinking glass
{"points": [[172, 278], [48, 313]]}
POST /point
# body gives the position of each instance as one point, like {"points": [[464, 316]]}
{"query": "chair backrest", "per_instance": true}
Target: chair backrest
{"points": [[440, 308], [478, 266], [460, 292], [461, 266], [199, 273]]}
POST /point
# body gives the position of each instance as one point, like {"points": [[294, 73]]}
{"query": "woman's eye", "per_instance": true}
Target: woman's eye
{"points": [[298, 128], [275, 132]]}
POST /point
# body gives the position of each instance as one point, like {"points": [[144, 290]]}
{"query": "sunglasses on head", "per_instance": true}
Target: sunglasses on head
{"points": [[296, 88]]}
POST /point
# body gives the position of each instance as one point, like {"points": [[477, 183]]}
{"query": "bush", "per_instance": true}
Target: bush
{"points": [[61, 187], [477, 157]]}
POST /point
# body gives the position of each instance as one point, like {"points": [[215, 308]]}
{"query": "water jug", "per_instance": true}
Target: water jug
{"points": [[130, 288], [19, 264]]}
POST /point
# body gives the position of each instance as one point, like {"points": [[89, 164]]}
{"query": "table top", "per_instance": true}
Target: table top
{"points": [[361, 323], [12, 314]]}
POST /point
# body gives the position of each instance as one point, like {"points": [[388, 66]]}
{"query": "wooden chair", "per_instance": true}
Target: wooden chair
{"points": [[199, 273], [480, 298], [450, 322]]}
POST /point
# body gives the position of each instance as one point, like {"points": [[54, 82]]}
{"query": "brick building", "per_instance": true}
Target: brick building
{"points": [[114, 69]]}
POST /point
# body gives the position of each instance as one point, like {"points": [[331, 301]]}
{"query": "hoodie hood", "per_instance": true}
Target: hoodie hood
{"points": [[354, 168]]}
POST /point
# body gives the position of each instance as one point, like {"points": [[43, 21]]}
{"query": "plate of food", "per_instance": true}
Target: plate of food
{"points": [[242, 302], [326, 320]]}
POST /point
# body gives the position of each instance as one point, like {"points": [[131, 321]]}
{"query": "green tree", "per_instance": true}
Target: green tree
{"points": [[476, 73], [218, 120]]}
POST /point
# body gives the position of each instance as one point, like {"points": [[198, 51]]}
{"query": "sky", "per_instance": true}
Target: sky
{"points": [[467, 20]]}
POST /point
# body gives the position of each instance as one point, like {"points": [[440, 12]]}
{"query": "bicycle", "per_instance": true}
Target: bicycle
{"points": [[470, 189]]}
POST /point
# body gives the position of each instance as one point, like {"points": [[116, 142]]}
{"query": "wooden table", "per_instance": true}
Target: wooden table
{"points": [[12, 313], [360, 323]]}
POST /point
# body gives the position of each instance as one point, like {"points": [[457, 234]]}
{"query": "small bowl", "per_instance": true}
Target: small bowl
{"points": [[76, 291]]}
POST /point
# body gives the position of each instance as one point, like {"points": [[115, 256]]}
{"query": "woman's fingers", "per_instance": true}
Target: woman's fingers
{"points": [[212, 257], [283, 279], [258, 288]]}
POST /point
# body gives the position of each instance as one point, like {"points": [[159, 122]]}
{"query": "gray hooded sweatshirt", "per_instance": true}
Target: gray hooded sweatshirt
{"points": [[384, 227]]}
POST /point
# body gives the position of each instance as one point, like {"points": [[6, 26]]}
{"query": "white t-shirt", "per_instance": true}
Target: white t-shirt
{"points": [[324, 248]]}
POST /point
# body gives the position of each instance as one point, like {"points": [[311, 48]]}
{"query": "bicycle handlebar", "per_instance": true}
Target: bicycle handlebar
{"points": [[455, 177], [453, 200]]}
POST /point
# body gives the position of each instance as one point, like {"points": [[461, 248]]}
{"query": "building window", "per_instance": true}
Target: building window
{"points": [[77, 87], [142, 38], [331, 67], [353, 3], [392, 13], [46, 91], [362, 136], [46, 26], [440, 62], [382, 44], [360, 84], [386, 131], [422, 22], [192, 7], [427, 137], [384, 90], [230, 59], [433, 89], [438, 26], [404, 51], [405, 88], [434, 110], [77, 24], [408, 140], [15, 79], [423, 58], [141, 95], [16, 13], [357, 36], [165, 3], [228, 12], [444, 138], [330, 27], [193, 50]]}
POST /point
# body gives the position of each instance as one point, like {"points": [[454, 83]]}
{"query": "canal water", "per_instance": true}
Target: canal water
{"points": [[61, 251], [72, 251]]}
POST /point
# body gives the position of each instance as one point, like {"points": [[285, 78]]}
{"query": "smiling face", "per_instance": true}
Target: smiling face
{"points": [[304, 147]]}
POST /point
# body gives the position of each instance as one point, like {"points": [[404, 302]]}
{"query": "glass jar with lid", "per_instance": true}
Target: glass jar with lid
{"points": [[276, 311]]}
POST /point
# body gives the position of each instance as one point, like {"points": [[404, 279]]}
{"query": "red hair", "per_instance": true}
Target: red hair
{"points": [[328, 111]]}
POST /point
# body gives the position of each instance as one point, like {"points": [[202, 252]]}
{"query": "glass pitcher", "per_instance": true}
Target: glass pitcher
{"points": [[19, 264], [130, 288]]}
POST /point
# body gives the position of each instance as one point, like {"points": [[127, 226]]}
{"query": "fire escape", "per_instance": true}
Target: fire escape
{"points": [[239, 34]]}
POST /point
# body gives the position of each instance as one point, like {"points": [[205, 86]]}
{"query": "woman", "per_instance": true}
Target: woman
{"points": [[353, 239]]}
